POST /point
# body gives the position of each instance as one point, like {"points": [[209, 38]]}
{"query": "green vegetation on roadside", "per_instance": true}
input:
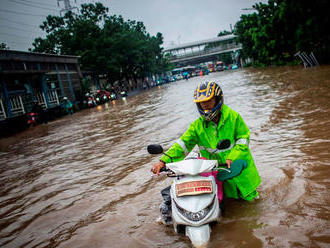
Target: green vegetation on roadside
{"points": [[108, 45], [276, 31]]}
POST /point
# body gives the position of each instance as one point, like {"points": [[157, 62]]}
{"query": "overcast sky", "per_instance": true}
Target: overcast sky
{"points": [[180, 21]]}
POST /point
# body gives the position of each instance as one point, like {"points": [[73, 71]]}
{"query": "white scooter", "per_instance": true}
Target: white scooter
{"points": [[193, 197]]}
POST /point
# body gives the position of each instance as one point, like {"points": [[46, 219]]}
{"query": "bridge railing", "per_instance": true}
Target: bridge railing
{"points": [[206, 51]]}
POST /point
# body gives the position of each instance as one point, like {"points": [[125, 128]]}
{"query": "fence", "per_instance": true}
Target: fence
{"points": [[20, 104], [2, 110], [308, 60], [53, 98], [16, 104], [40, 98]]}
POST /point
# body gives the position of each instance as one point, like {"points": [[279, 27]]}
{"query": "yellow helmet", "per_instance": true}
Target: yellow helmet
{"points": [[205, 92]]}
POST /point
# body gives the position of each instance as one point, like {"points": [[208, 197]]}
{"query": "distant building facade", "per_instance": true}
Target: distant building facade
{"points": [[26, 77]]}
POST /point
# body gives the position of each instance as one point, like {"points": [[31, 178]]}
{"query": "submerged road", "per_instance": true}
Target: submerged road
{"points": [[85, 180]]}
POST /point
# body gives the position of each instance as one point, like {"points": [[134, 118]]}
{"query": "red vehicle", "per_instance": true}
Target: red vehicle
{"points": [[102, 96], [32, 119], [105, 96], [90, 102], [211, 67], [220, 66]]}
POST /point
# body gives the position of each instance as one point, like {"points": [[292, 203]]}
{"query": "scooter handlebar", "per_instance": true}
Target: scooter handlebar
{"points": [[167, 171]]}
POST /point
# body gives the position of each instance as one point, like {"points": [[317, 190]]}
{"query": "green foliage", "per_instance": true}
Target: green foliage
{"points": [[225, 32], [280, 28], [3, 46], [85, 85], [107, 45], [226, 58]]}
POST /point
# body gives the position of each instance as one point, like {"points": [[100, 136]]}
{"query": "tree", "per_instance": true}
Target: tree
{"points": [[280, 28], [107, 45], [226, 58], [224, 32], [4, 46]]}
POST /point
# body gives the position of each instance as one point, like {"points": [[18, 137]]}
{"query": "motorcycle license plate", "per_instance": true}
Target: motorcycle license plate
{"points": [[194, 188]]}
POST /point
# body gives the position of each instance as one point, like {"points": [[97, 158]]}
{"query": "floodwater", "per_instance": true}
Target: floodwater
{"points": [[85, 180]]}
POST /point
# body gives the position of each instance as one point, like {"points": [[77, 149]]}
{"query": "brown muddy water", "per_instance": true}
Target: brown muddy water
{"points": [[85, 180]]}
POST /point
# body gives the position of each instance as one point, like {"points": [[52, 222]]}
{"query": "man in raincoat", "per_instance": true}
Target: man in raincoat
{"points": [[67, 106], [218, 122]]}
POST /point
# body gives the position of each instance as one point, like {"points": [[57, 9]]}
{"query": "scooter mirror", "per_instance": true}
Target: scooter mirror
{"points": [[155, 149], [223, 144]]}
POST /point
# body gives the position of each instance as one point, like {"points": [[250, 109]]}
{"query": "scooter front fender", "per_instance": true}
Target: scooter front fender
{"points": [[199, 235]]}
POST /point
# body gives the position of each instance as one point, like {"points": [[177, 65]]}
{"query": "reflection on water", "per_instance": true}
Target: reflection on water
{"points": [[85, 181]]}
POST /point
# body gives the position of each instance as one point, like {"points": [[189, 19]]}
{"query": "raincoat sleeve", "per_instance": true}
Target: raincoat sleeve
{"points": [[242, 138], [182, 146]]}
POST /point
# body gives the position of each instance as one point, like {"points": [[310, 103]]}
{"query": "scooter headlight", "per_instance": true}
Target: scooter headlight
{"points": [[195, 216]]}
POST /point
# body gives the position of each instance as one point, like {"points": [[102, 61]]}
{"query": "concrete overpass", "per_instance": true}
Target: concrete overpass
{"points": [[202, 51]]}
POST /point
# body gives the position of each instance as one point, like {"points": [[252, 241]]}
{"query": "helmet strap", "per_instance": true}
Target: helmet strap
{"points": [[217, 117]]}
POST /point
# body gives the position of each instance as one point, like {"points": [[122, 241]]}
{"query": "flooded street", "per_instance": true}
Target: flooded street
{"points": [[85, 180]]}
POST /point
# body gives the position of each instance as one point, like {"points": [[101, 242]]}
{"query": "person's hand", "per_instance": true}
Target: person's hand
{"points": [[157, 166], [228, 162]]}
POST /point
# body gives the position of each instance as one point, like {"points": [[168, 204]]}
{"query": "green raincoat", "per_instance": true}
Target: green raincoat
{"points": [[207, 135]]}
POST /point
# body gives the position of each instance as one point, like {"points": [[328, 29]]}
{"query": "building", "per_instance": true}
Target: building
{"points": [[46, 78]]}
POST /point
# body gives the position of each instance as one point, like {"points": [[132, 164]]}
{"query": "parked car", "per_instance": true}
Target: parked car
{"points": [[219, 68], [234, 66]]}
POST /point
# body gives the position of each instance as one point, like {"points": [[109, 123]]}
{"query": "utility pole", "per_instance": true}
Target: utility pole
{"points": [[67, 6], [179, 37]]}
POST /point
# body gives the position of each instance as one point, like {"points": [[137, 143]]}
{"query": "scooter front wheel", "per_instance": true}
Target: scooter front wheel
{"points": [[199, 235]]}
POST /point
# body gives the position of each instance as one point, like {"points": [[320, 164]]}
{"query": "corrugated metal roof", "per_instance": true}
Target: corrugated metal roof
{"points": [[36, 57], [16, 52]]}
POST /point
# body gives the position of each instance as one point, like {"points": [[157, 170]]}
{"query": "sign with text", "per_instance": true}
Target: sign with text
{"points": [[193, 187]]}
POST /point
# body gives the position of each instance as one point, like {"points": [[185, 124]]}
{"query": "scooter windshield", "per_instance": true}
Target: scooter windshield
{"points": [[192, 167]]}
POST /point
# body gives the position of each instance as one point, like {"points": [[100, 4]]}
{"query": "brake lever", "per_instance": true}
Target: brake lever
{"points": [[169, 173], [165, 171], [225, 169]]}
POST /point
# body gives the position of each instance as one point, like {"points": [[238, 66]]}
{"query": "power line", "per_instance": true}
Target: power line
{"points": [[19, 29], [39, 3], [15, 35], [19, 23], [16, 42], [30, 5], [21, 13]]}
